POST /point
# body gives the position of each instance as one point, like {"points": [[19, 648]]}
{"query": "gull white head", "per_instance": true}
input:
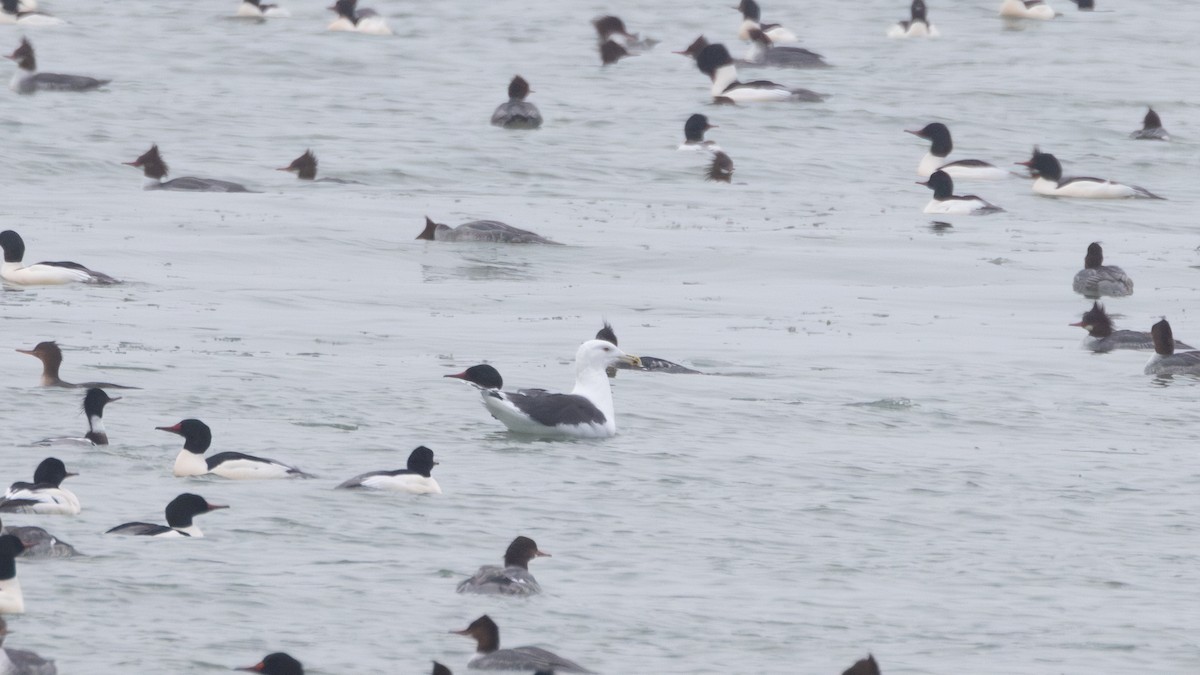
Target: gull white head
{"points": [[597, 355]]}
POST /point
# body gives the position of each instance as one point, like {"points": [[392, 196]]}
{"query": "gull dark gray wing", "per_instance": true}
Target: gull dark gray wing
{"points": [[554, 409]]}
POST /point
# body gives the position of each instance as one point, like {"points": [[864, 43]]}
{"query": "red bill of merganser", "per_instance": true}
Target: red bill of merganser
{"points": [[866, 666], [752, 20], [720, 169], [1152, 128], [28, 80], [1097, 279], [512, 579], [586, 412], [1102, 338], [763, 52], [489, 655], [93, 407], [14, 12], [1165, 361], [154, 169], [22, 661], [352, 19], [693, 134], [233, 465], [415, 479], [257, 9], [517, 113], [649, 363], [1027, 9], [45, 495], [305, 168], [51, 357], [613, 28], [941, 146], [12, 601], [1049, 181], [180, 513], [39, 543], [14, 271], [917, 26], [491, 231], [278, 663], [946, 202], [715, 61]]}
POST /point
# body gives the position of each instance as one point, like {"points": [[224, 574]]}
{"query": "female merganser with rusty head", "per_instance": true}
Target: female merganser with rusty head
{"points": [[490, 231], [941, 146], [278, 663], [1102, 338], [489, 655], [305, 168], [233, 465], [51, 357], [28, 80], [93, 407], [155, 170], [416, 479], [917, 26], [517, 113], [512, 579], [45, 495], [1097, 279], [14, 271], [1152, 128], [1165, 361], [946, 202], [715, 61], [180, 513], [352, 19], [1048, 181]]}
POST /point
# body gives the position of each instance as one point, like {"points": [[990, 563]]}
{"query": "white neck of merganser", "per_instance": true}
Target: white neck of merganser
{"points": [[191, 531], [188, 463], [592, 383], [722, 78], [96, 424]]}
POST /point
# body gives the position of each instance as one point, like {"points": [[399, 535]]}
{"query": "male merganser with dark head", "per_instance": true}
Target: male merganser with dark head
{"points": [[51, 357], [1049, 181], [1097, 279], [517, 113], [28, 80], [415, 479], [941, 146], [512, 579], [483, 376], [1027, 9], [233, 465], [1102, 338], [12, 601], [917, 26], [1152, 128], [489, 655], [352, 19], [693, 134], [305, 168], [866, 666], [491, 231], [45, 495], [587, 412], [720, 169], [1165, 361], [93, 407], [180, 513], [613, 28], [257, 9], [14, 271], [155, 170], [611, 52], [14, 13], [946, 202], [763, 52], [648, 363], [715, 61], [278, 663], [752, 20], [22, 661], [39, 543]]}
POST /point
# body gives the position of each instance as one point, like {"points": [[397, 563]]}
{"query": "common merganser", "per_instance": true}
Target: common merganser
{"points": [[415, 479], [1097, 279], [611, 52], [489, 655], [946, 202], [1027, 9], [715, 61], [763, 52], [305, 168], [22, 661], [1165, 361], [1102, 338], [517, 113], [491, 231], [693, 134], [256, 9], [93, 407], [39, 543], [917, 26], [154, 169], [45, 495], [44, 273], [752, 20], [28, 80], [613, 28], [14, 13], [352, 19], [866, 666], [587, 412], [940, 147], [720, 169], [649, 363], [180, 513], [233, 465], [483, 376], [512, 579], [51, 357], [278, 663], [1049, 181], [1152, 128], [12, 601]]}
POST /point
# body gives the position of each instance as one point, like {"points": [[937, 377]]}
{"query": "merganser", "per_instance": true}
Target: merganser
{"points": [[255, 9], [752, 20], [305, 168], [154, 169], [51, 357], [612, 28], [1102, 338], [941, 146], [1152, 128], [720, 169], [1085, 5], [278, 663], [649, 363], [946, 202], [763, 52], [489, 656], [917, 26], [22, 661], [14, 12], [43, 273], [12, 601], [180, 513], [350, 18], [233, 465], [93, 407], [1097, 279], [45, 495], [1049, 181], [28, 80], [415, 479], [587, 412], [1027, 9], [483, 376], [1165, 361], [693, 134], [512, 579], [39, 543], [611, 52], [517, 113], [866, 666], [491, 231], [715, 61]]}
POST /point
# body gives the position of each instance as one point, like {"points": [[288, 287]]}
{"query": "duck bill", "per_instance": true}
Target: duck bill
{"points": [[1077, 324], [175, 429], [253, 669], [214, 507], [458, 376]]}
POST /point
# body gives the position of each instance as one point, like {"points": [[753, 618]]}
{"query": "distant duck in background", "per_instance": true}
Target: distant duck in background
{"points": [[1152, 128], [1097, 279], [1027, 9], [917, 26], [354, 20], [517, 113], [612, 28], [51, 357], [305, 168], [256, 9], [490, 231], [752, 20], [94, 402]]}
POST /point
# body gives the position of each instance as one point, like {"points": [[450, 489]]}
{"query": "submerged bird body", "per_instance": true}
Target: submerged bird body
{"points": [[45, 495], [154, 170], [50, 355], [94, 402], [16, 272], [28, 80], [917, 26], [1152, 128], [947, 203], [648, 363], [1049, 181], [1165, 361], [180, 513], [511, 579], [491, 231], [233, 465], [489, 655], [40, 544], [517, 113], [415, 479], [1097, 279]]}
